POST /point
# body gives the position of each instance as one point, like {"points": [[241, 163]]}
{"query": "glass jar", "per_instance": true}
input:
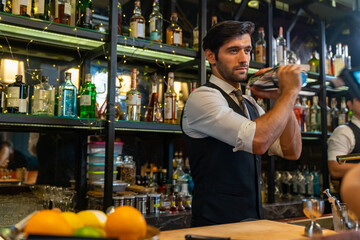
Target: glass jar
{"points": [[128, 170]]}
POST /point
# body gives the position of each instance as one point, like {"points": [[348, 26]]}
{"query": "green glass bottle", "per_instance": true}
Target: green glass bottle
{"points": [[87, 98], [314, 63]]}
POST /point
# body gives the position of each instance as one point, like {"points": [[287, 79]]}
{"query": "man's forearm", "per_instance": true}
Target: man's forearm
{"points": [[290, 139]]}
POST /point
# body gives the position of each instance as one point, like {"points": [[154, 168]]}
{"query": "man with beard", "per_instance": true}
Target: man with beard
{"points": [[226, 132]]}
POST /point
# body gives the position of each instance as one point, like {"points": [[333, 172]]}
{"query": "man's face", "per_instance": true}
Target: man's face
{"points": [[354, 105], [233, 59]]}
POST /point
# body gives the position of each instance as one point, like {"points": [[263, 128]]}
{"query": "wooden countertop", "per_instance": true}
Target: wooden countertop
{"points": [[261, 229]]}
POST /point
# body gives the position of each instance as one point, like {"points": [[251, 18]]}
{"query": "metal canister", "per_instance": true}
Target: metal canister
{"points": [[141, 203], [129, 200], [118, 201], [154, 202]]}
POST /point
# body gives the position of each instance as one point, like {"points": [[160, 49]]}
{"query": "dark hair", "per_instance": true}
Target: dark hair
{"points": [[224, 31]]}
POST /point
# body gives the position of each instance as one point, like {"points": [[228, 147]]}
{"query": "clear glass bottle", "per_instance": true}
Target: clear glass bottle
{"points": [[316, 182], [67, 98], [170, 106], [17, 96], [62, 11], [156, 23], [315, 116], [196, 35], [334, 114], [43, 101], [174, 32], [339, 61], [133, 99], [329, 62], [260, 47], [305, 113], [153, 113], [344, 112], [347, 57], [280, 48], [84, 13], [87, 98], [309, 183], [137, 22], [41, 9], [314, 63]]}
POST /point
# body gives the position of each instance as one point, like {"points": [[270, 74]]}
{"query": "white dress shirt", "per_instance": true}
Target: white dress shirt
{"points": [[207, 113], [342, 140]]}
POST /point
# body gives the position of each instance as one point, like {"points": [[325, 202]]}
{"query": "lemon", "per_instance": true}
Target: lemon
{"points": [[89, 232], [93, 218], [73, 219]]}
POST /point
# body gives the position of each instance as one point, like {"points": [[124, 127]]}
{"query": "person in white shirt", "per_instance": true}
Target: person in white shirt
{"points": [[224, 132], [345, 140]]}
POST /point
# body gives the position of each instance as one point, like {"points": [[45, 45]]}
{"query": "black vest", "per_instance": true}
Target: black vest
{"points": [[227, 183], [356, 132]]}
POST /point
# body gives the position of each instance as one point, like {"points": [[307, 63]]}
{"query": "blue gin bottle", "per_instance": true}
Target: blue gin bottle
{"points": [[67, 98]]}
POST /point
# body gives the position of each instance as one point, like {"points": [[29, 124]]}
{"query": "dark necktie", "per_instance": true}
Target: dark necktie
{"points": [[238, 95]]}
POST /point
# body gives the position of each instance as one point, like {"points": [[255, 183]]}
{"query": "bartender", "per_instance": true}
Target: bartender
{"points": [[226, 132], [345, 140]]}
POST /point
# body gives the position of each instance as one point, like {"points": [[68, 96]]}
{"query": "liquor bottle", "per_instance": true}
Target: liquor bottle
{"points": [[67, 98], [297, 111], [329, 68], [334, 114], [315, 117], [328, 116], [43, 101], [133, 99], [170, 107], [17, 96], [347, 58], [260, 47], [339, 61], [280, 48], [344, 112], [137, 22], [87, 98], [41, 9], [84, 13], [62, 11], [305, 113], [153, 113], [309, 182], [2, 97], [316, 182], [119, 18], [174, 32], [314, 63], [196, 35], [214, 20], [156, 23], [8, 6]]}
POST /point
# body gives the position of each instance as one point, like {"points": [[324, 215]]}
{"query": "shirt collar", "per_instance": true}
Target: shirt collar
{"points": [[226, 87], [356, 121]]}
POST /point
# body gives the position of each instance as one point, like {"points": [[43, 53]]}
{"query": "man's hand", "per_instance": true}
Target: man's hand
{"points": [[289, 78]]}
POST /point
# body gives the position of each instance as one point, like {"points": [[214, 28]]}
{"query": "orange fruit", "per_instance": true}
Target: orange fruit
{"points": [[48, 222], [126, 223]]}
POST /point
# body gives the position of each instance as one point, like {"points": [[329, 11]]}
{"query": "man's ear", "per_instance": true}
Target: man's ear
{"points": [[349, 103], [210, 56]]}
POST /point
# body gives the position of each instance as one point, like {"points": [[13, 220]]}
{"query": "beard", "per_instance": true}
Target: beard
{"points": [[229, 74]]}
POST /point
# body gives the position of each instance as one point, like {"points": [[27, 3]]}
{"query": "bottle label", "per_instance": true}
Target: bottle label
{"points": [[39, 7], [152, 24], [140, 30], [195, 37], [20, 103], [133, 99], [168, 108], [133, 28], [339, 64], [67, 9], [280, 54], [177, 38], [260, 54], [66, 103], [157, 205], [342, 119], [85, 100], [13, 92], [41, 94]]}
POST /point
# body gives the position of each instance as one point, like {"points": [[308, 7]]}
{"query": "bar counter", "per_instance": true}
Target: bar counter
{"points": [[261, 229]]}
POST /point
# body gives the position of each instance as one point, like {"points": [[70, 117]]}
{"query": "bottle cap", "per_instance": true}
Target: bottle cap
{"points": [[67, 75], [171, 74]]}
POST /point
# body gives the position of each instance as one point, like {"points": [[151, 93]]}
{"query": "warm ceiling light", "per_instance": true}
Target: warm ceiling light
{"points": [[254, 4]]}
